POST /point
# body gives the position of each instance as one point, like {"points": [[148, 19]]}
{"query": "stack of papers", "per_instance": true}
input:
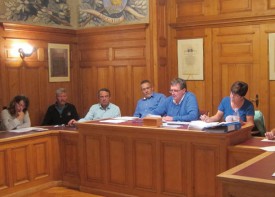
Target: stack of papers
{"points": [[201, 125], [214, 127]]}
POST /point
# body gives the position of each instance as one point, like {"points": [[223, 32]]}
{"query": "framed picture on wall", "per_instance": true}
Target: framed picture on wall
{"points": [[190, 59], [59, 62], [272, 56]]}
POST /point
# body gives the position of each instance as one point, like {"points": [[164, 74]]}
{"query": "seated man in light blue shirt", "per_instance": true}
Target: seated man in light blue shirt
{"points": [[182, 105], [149, 102], [101, 110]]}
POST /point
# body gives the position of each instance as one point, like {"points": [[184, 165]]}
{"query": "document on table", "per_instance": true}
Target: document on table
{"points": [[269, 148], [22, 130], [113, 121], [267, 140], [176, 123], [125, 118]]}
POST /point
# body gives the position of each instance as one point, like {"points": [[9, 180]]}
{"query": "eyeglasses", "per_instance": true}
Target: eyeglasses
{"points": [[174, 91]]}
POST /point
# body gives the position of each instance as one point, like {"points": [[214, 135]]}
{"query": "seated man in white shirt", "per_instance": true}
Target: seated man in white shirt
{"points": [[101, 110]]}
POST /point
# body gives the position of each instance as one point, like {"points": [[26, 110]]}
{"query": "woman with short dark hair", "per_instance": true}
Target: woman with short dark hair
{"points": [[16, 115], [236, 102]]}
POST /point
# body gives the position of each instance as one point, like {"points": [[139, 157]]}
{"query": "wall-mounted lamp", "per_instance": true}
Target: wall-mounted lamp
{"points": [[26, 51]]}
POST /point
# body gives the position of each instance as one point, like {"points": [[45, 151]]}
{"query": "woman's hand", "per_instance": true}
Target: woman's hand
{"points": [[269, 135], [20, 115], [205, 118]]}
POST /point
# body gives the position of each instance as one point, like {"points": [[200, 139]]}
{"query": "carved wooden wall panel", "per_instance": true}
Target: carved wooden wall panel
{"points": [[271, 4], [190, 8], [227, 6], [161, 58]]}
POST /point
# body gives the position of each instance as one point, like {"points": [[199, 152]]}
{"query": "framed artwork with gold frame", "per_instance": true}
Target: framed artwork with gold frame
{"points": [[59, 62]]}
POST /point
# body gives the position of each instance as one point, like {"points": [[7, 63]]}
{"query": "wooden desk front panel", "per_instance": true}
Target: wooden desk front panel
{"points": [[69, 158], [25, 162], [150, 162]]}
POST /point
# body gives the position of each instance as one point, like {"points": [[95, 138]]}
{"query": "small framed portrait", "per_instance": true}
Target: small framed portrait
{"points": [[59, 62]]}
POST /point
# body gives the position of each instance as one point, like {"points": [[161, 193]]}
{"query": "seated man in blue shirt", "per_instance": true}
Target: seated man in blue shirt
{"points": [[182, 105], [101, 110], [149, 102]]}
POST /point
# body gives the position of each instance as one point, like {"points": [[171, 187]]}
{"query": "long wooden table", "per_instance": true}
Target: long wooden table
{"points": [[116, 160], [129, 159]]}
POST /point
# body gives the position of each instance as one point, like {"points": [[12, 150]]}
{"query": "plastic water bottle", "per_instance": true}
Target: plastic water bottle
{"points": [[236, 115]]}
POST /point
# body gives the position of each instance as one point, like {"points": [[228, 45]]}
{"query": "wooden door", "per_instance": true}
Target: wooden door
{"points": [[237, 56]]}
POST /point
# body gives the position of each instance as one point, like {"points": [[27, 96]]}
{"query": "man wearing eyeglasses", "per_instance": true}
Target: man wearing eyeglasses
{"points": [[150, 101], [182, 105], [101, 110]]}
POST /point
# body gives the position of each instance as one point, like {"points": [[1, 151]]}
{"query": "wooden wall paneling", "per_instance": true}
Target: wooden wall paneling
{"points": [[134, 89], [17, 74], [111, 60], [88, 88], [201, 88], [271, 4], [190, 8], [236, 56], [120, 88], [227, 6], [160, 50]]}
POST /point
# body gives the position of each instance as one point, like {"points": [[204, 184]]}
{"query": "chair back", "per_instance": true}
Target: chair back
{"points": [[259, 122]]}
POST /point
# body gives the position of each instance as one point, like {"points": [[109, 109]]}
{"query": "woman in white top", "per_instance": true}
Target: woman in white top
{"points": [[16, 115]]}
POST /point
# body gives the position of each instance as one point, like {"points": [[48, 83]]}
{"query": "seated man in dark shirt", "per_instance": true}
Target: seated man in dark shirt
{"points": [[61, 112]]}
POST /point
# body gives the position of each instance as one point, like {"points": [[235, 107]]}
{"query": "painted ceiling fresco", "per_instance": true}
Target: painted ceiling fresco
{"points": [[86, 13]]}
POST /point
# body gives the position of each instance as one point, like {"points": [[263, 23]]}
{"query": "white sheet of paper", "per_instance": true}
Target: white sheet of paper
{"points": [[269, 148], [113, 121], [125, 118], [267, 140], [28, 129]]}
